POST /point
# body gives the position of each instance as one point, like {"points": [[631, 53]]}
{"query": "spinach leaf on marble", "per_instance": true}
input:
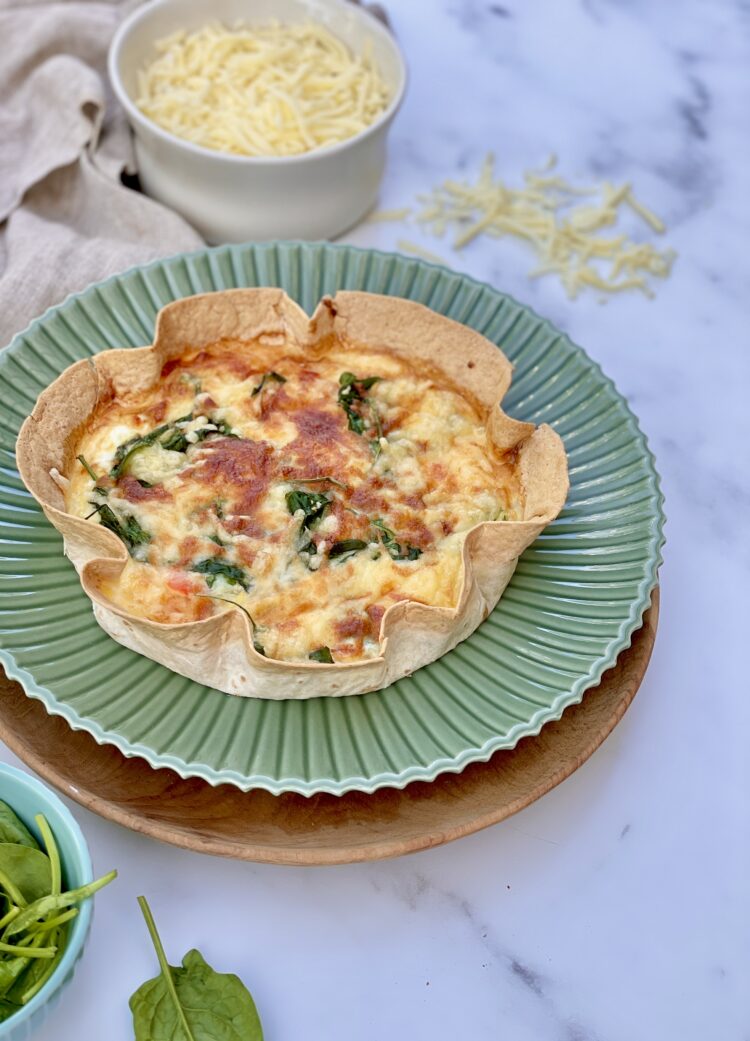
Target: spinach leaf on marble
{"points": [[191, 1002]]}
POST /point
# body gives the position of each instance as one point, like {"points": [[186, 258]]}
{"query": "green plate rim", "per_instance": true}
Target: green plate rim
{"points": [[399, 780]]}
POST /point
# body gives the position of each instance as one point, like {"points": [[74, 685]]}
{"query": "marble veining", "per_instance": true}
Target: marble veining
{"points": [[617, 907]]}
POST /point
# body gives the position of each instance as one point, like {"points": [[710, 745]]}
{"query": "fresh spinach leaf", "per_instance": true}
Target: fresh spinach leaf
{"points": [[47, 904], [38, 971], [27, 951], [346, 547], [213, 568], [11, 890], [13, 970], [192, 1002], [28, 868], [394, 548], [53, 854], [34, 930], [12, 829], [53, 923], [323, 655], [7, 1009], [265, 379], [127, 529]]}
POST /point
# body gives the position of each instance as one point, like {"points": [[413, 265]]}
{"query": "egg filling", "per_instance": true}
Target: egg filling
{"points": [[312, 492]]}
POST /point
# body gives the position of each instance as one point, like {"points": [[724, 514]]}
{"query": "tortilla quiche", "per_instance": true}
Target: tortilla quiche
{"points": [[280, 506]]}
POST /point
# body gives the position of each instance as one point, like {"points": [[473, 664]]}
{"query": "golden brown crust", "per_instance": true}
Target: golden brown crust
{"points": [[218, 650]]}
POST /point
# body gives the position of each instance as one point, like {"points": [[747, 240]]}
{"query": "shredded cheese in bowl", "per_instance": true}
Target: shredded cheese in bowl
{"points": [[266, 90]]}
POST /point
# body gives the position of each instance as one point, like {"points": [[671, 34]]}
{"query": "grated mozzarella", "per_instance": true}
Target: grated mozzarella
{"points": [[269, 90]]}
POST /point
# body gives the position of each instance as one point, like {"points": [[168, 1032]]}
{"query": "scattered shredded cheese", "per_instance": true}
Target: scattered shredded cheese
{"points": [[378, 216], [269, 90], [563, 234], [411, 247]]}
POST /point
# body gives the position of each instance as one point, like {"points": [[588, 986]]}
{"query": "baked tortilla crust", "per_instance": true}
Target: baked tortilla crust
{"points": [[218, 651]]}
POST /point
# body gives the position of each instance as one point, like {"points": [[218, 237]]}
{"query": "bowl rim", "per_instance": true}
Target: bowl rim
{"points": [[80, 929], [136, 116]]}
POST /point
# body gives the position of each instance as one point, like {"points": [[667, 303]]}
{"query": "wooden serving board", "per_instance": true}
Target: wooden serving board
{"points": [[323, 829]]}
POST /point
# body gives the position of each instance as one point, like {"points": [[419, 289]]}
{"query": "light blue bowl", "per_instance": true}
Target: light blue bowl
{"points": [[27, 797]]}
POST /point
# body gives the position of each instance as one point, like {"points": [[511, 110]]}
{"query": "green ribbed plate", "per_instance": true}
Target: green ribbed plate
{"points": [[573, 604]]}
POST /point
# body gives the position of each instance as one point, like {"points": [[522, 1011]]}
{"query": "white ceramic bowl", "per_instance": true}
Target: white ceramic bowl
{"points": [[231, 198]]}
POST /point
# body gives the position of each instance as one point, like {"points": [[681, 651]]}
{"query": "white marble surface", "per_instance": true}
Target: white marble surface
{"points": [[617, 907]]}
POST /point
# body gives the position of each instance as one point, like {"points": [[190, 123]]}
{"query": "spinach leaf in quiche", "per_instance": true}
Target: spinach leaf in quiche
{"points": [[322, 655], [360, 412], [178, 441], [265, 379], [312, 504], [97, 489], [346, 548], [126, 528], [394, 548], [257, 629], [213, 568], [127, 449], [169, 436]]}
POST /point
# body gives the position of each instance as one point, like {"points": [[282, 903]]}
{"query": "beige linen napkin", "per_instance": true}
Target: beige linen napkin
{"points": [[66, 219]]}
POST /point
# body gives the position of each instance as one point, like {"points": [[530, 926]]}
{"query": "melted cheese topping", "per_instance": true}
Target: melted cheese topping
{"points": [[313, 502], [270, 90]]}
